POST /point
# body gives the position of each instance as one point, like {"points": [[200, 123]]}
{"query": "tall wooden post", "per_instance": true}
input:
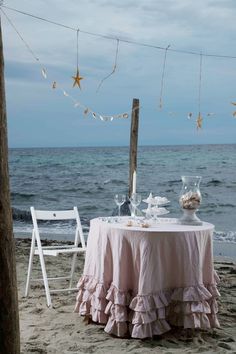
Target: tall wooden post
{"points": [[9, 316], [133, 142]]}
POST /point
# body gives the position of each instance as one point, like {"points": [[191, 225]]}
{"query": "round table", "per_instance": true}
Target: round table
{"points": [[141, 281]]}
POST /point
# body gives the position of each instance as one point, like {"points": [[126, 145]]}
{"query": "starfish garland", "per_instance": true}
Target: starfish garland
{"points": [[77, 79]]}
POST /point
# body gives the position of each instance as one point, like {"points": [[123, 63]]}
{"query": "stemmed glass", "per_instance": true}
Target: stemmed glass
{"points": [[119, 200], [135, 201]]}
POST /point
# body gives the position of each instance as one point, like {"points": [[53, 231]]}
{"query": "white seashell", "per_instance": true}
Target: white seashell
{"points": [[44, 73]]}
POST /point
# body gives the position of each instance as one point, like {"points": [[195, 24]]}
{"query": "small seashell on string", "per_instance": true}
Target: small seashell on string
{"points": [[43, 71], [190, 115], [86, 111]]}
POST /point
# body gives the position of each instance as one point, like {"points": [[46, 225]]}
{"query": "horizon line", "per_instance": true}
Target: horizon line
{"points": [[113, 146]]}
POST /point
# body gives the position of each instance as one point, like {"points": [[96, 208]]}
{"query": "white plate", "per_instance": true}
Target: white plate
{"points": [[154, 202], [158, 211]]}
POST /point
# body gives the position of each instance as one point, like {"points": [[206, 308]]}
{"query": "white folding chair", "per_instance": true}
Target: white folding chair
{"points": [[41, 251]]}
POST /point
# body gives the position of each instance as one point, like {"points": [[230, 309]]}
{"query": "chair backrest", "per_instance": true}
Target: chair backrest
{"points": [[72, 214]]}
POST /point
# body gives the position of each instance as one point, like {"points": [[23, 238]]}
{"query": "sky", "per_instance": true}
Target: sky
{"points": [[39, 116]]}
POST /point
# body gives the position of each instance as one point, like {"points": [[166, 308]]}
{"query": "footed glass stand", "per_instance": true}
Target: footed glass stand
{"points": [[190, 218]]}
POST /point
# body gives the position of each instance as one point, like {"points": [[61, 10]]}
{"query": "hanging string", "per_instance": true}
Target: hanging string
{"points": [[22, 39], [114, 67], [77, 48], [162, 77], [199, 118], [200, 84], [120, 39], [77, 76], [55, 85]]}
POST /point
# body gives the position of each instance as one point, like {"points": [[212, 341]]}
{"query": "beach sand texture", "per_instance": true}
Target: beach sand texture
{"points": [[60, 331]]}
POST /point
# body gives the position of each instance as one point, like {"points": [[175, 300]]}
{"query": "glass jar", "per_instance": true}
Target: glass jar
{"points": [[190, 200]]}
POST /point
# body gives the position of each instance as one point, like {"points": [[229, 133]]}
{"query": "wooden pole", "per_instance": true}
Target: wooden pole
{"points": [[133, 143], [9, 315]]}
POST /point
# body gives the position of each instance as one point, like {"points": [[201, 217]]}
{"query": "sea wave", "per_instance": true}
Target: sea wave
{"points": [[214, 182], [226, 205], [229, 236], [174, 182], [24, 218], [19, 195], [21, 215], [117, 182], [114, 165]]}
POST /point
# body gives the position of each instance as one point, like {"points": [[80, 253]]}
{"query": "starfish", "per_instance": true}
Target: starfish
{"points": [[77, 79], [199, 121]]}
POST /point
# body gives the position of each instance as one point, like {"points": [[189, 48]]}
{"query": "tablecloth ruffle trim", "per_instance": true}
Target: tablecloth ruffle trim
{"points": [[147, 315]]}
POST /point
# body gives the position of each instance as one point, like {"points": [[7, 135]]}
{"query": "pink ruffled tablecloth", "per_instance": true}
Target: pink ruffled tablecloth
{"points": [[140, 282]]}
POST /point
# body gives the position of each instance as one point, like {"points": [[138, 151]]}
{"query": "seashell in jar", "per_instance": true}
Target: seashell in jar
{"points": [[190, 200]]}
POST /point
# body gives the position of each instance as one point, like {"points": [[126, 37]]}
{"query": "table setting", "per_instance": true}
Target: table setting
{"points": [[145, 218], [189, 200], [145, 272]]}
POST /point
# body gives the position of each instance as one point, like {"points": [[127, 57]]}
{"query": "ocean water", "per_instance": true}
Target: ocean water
{"points": [[59, 178]]}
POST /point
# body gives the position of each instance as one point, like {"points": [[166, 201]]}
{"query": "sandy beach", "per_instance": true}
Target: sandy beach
{"points": [[59, 330]]}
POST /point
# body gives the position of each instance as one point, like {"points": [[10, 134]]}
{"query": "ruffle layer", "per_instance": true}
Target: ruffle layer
{"points": [[147, 315], [91, 299]]}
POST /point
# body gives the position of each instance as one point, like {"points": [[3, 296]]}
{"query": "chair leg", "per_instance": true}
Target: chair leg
{"points": [[72, 269], [32, 248], [45, 279]]}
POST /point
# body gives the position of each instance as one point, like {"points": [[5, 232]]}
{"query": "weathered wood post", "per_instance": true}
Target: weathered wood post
{"points": [[133, 142], [9, 316]]}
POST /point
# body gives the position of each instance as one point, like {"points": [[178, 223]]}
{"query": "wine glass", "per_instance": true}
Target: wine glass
{"points": [[119, 200], [135, 201]]}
